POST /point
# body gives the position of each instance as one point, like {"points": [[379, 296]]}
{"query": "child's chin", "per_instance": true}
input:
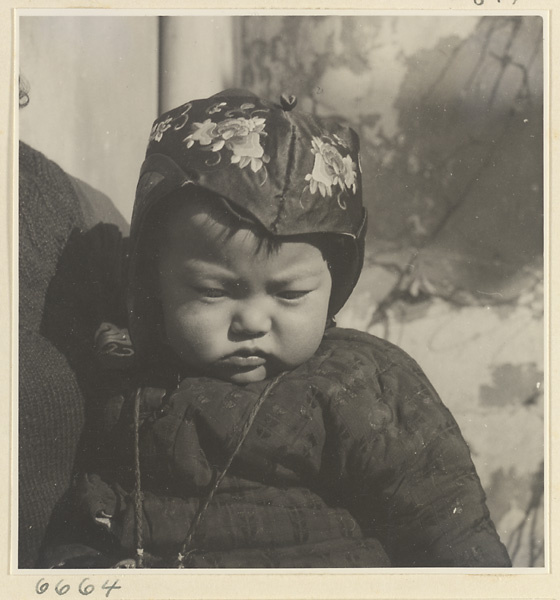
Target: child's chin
{"points": [[252, 376], [243, 376], [240, 376]]}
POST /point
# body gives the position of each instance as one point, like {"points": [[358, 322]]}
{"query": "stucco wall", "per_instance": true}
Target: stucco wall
{"points": [[93, 88]]}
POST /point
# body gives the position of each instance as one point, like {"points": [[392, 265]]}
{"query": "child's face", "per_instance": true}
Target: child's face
{"points": [[234, 310]]}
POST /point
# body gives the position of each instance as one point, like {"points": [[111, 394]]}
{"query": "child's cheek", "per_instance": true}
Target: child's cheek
{"points": [[202, 325]]}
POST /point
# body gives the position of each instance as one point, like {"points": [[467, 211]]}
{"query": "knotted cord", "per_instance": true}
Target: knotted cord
{"points": [[187, 550], [138, 500]]}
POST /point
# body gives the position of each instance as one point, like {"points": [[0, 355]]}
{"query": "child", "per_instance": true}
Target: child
{"points": [[256, 433]]}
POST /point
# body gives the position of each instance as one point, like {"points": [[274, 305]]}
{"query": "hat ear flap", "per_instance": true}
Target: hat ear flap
{"points": [[346, 267]]}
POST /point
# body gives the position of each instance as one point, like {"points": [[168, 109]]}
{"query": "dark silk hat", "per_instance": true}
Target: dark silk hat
{"points": [[291, 171]]}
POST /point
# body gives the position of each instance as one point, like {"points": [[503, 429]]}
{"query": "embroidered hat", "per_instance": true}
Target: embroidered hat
{"points": [[289, 171]]}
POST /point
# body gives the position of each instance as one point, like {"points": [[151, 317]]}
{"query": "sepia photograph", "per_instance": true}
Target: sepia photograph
{"points": [[281, 292]]}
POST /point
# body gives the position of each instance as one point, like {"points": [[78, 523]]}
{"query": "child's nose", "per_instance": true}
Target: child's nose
{"points": [[250, 319]]}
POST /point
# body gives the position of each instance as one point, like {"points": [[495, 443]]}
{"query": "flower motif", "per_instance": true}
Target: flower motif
{"points": [[250, 152], [216, 108], [340, 141], [240, 135], [159, 128], [183, 118], [203, 134], [243, 138], [349, 173], [330, 169], [239, 127]]}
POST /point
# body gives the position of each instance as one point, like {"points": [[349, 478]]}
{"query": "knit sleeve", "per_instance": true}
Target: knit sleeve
{"points": [[65, 287], [406, 470]]}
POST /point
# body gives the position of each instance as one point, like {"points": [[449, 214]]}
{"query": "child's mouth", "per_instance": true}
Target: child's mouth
{"points": [[245, 359]]}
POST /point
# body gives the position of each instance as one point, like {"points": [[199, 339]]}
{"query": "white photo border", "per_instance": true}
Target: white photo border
{"points": [[281, 583]]}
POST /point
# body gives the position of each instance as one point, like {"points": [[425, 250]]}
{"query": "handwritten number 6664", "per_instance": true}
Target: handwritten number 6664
{"points": [[84, 588]]}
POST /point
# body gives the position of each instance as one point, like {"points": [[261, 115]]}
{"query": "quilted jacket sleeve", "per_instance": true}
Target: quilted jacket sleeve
{"points": [[404, 467]]}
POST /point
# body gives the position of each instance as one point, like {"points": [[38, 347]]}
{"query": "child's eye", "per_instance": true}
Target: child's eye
{"points": [[293, 294], [211, 292]]}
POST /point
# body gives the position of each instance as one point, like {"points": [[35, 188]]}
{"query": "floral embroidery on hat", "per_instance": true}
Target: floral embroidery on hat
{"points": [[203, 134], [216, 108], [340, 141], [330, 169], [183, 117], [240, 135], [159, 128]]}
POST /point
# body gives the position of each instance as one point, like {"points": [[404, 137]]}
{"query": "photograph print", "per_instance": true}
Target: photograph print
{"points": [[281, 291]]}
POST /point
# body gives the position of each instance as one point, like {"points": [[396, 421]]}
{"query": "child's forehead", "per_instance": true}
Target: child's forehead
{"points": [[193, 231]]}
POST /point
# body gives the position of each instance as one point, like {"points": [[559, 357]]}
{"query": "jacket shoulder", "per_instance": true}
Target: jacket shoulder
{"points": [[381, 376], [340, 340]]}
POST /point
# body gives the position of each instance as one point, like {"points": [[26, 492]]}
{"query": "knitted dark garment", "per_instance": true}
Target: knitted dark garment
{"points": [[52, 208]]}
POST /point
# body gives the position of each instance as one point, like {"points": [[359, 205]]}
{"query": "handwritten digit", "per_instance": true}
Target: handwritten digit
{"points": [[61, 590], [110, 588], [85, 591], [41, 589]]}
